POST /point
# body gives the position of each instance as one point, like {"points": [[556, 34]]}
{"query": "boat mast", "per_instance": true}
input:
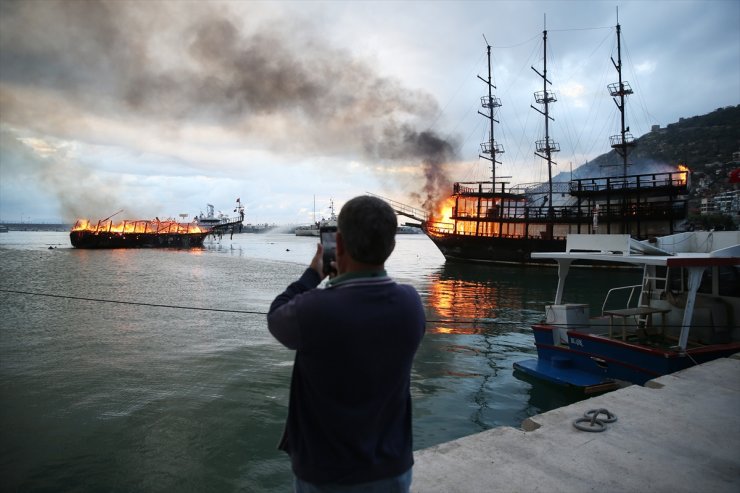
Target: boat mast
{"points": [[490, 102], [623, 142], [546, 147]]}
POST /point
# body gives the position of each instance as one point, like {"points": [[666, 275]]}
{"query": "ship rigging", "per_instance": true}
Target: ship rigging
{"points": [[486, 222]]}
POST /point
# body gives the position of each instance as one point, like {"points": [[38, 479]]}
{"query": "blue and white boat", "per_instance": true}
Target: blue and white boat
{"points": [[686, 311]]}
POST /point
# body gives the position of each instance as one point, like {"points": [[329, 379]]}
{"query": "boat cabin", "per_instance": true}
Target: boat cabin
{"points": [[685, 311]]}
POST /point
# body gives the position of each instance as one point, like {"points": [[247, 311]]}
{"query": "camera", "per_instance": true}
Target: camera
{"points": [[328, 235]]}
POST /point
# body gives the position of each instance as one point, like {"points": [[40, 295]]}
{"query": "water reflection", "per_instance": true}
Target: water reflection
{"points": [[229, 247], [471, 299], [544, 396], [479, 319], [479, 324]]}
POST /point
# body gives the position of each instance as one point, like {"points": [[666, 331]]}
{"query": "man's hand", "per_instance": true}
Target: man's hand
{"points": [[317, 262]]}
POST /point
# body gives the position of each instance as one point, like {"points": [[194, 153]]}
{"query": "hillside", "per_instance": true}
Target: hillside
{"points": [[695, 142]]}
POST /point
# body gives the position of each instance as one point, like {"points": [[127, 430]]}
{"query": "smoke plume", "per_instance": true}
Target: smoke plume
{"points": [[276, 81]]}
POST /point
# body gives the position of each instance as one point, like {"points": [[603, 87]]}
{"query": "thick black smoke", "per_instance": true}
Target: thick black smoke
{"points": [[432, 151], [277, 81]]}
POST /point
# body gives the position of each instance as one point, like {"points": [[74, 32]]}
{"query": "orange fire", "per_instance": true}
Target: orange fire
{"points": [[443, 212], [156, 227], [684, 170]]}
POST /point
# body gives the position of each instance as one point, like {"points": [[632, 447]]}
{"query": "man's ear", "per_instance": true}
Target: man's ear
{"points": [[340, 244]]}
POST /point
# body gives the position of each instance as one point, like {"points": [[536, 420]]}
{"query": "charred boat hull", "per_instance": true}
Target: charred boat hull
{"points": [[99, 240]]}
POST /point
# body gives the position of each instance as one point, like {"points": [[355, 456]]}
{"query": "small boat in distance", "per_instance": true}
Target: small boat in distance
{"points": [[308, 230], [313, 229], [685, 311], [405, 229]]}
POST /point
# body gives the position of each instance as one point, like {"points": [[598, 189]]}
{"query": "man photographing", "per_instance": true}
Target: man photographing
{"points": [[349, 417]]}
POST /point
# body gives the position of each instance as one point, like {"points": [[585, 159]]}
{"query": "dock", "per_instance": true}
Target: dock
{"points": [[678, 433]]}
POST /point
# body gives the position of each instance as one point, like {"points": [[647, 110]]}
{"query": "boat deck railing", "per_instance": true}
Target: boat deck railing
{"points": [[517, 211], [226, 223], [404, 210], [484, 188], [633, 293], [657, 182], [444, 229], [638, 183], [519, 191]]}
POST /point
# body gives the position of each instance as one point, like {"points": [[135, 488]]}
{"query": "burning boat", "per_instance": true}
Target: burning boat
{"points": [[137, 234], [154, 233], [488, 222]]}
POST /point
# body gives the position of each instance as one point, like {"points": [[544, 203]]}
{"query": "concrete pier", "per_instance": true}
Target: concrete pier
{"points": [[678, 433]]}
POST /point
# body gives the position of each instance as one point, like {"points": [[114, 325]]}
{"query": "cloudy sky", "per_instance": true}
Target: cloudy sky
{"points": [[160, 107]]}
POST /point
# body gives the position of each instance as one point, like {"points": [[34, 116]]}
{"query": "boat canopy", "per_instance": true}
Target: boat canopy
{"points": [[694, 251]]}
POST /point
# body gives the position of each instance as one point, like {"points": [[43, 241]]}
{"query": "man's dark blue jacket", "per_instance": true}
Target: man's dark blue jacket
{"points": [[349, 417]]}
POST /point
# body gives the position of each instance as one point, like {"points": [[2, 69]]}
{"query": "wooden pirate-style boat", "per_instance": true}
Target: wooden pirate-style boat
{"points": [[491, 222]]}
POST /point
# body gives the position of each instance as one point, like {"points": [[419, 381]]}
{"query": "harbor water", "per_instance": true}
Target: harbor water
{"points": [[153, 370]]}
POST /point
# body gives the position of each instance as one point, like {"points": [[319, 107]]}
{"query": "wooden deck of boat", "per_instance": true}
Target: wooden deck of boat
{"points": [[678, 433]]}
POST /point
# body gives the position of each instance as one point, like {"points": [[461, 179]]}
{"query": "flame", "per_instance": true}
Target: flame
{"points": [[684, 170], [443, 211], [128, 227]]}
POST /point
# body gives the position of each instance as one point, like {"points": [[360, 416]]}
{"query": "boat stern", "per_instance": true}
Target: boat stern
{"points": [[561, 370]]}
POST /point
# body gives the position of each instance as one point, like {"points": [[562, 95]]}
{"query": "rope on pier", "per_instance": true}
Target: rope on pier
{"points": [[592, 422]]}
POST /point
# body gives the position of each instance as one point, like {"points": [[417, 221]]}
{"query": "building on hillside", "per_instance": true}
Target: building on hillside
{"points": [[727, 203]]}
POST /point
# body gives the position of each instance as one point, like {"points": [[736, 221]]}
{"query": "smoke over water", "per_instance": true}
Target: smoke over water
{"points": [[275, 81], [433, 151]]}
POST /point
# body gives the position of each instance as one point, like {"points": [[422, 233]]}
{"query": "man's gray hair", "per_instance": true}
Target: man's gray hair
{"points": [[368, 227]]}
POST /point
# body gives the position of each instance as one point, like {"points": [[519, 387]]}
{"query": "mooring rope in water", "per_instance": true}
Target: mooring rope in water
{"points": [[224, 310], [158, 305], [481, 321]]}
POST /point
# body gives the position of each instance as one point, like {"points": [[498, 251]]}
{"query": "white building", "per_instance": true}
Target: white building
{"points": [[722, 203]]}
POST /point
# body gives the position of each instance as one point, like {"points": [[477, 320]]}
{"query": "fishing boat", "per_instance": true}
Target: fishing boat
{"points": [[489, 221], [314, 228], [685, 311], [258, 228], [308, 230]]}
